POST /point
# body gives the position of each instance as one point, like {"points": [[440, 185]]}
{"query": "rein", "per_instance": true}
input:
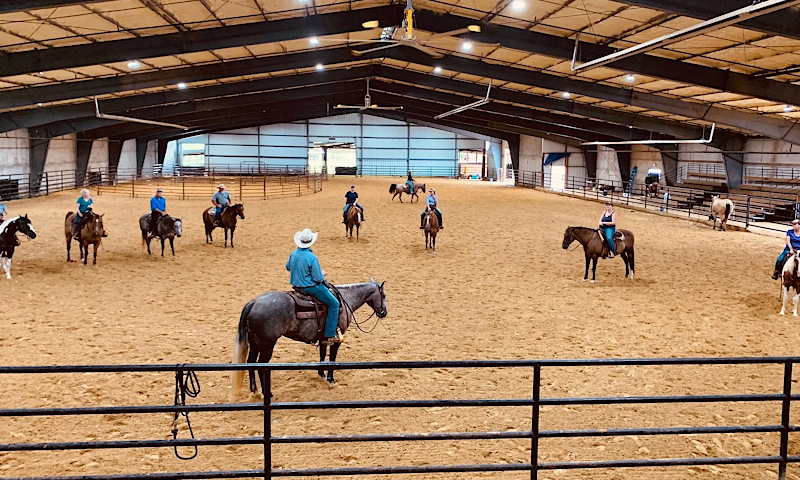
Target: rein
{"points": [[351, 313], [186, 385]]}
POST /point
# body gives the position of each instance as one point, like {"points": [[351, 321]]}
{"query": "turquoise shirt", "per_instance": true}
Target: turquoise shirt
{"points": [[304, 268], [83, 205]]}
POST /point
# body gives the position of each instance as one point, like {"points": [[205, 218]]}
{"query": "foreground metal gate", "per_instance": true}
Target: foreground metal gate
{"points": [[782, 396]]}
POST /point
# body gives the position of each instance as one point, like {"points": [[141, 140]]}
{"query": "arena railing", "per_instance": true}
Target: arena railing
{"points": [[750, 210], [531, 463], [401, 171]]}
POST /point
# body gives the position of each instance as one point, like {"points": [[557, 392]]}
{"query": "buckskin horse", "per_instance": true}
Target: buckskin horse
{"points": [[594, 247], [722, 209], [167, 227], [8, 239], [275, 314], [431, 225], [400, 189], [354, 214], [227, 221], [91, 233]]}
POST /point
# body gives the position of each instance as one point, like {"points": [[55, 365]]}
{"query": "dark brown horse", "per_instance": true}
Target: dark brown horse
{"points": [[431, 224], [594, 247], [400, 189], [227, 220], [354, 215], [91, 233]]}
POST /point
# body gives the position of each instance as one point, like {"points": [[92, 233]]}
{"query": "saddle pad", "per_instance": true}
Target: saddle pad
{"points": [[212, 211]]}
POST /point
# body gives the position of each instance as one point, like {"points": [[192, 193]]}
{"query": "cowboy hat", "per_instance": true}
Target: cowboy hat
{"points": [[795, 221], [159, 190], [305, 239], [221, 185]]}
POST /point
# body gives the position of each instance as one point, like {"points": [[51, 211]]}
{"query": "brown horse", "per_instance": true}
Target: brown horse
{"points": [[91, 233], [594, 247], [400, 189], [227, 220], [652, 190], [354, 215], [431, 223]]}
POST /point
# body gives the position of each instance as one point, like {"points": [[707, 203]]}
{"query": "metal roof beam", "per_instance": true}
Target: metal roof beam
{"points": [[563, 48], [200, 40], [8, 6]]}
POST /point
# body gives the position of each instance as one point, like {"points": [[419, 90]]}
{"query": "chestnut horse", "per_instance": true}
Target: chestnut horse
{"points": [[354, 214], [431, 224], [91, 233], [594, 247], [400, 189], [227, 220]]}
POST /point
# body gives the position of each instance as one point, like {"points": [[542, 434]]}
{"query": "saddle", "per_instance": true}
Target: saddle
{"points": [[307, 307], [606, 248]]}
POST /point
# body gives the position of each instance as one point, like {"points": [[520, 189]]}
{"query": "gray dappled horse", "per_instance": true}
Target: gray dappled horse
{"points": [[594, 247], [167, 227], [272, 315]]}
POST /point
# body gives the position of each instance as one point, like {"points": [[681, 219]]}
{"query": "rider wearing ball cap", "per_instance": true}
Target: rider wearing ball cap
{"points": [[308, 277], [221, 199]]}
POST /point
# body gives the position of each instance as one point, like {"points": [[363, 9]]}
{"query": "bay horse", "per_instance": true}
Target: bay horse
{"points": [[91, 233], [431, 224], [790, 279], [167, 228], [272, 315], [652, 190], [594, 247], [227, 221], [721, 208], [400, 189], [354, 214], [8, 239]]}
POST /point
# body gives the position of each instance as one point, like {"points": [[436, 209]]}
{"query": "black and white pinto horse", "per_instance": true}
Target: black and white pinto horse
{"points": [[8, 239], [790, 280]]}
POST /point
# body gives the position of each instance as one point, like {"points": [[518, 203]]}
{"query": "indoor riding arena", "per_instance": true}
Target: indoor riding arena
{"points": [[496, 354]]}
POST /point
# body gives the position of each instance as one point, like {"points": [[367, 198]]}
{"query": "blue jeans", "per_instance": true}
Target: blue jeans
{"points": [[609, 231], [438, 215], [321, 293], [347, 207], [410, 187], [217, 213], [781, 259]]}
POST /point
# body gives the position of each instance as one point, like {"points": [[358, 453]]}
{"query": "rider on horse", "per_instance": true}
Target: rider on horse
{"points": [[792, 247], [158, 209], [608, 223], [352, 199], [84, 210], [309, 278], [433, 204], [410, 183], [3, 212], [221, 199]]}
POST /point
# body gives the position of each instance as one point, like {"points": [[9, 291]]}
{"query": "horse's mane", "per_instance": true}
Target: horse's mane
{"points": [[4, 225]]}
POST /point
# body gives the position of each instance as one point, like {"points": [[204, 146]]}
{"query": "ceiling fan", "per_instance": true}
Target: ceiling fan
{"points": [[368, 105], [408, 38]]}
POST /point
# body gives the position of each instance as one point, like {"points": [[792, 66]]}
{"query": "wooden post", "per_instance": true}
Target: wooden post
{"points": [[265, 187]]}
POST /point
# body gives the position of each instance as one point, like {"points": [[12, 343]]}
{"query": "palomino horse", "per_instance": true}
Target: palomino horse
{"points": [[167, 227], [790, 279], [400, 189], [8, 239], [227, 220], [721, 208], [272, 315], [91, 233], [594, 247], [431, 224], [354, 214]]}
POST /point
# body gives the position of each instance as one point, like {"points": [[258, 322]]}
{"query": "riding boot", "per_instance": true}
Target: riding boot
{"points": [[776, 275]]}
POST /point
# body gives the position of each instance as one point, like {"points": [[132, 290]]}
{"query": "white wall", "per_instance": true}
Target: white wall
{"points": [[530, 153], [127, 159], [62, 154], [14, 153], [608, 165], [98, 158], [643, 157]]}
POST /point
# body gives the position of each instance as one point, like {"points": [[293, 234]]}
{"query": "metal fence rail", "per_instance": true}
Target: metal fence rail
{"points": [[782, 396], [240, 186]]}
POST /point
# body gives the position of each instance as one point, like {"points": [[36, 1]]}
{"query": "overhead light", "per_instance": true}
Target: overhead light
{"points": [[39, 104], [437, 70], [518, 5], [474, 28], [630, 78], [181, 86], [371, 24], [134, 64], [41, 73], [787, 108], [320, 67], [466, 46], [313, 41], [566, 94]]}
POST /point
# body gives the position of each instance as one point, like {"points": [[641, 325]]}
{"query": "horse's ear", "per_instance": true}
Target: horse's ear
{"points": [[371, 280], [382, 283], [101, 216]]}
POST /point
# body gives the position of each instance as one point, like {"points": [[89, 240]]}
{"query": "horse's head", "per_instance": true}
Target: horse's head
{"points": [[569, 237], [96, 224], [423, 188], [378, 299], [25, 226], [177, 227], [238, 209]]}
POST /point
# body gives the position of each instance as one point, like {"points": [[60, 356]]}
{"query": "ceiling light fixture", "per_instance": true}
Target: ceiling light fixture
{"points": [[314, 41], [630, 78], [181, 86], [39, 104], [466, 46], [134, 64], [437, 70], [787, 108], [566, 94], [518, 5], [320, 67], [474, 28], [371, 24]]}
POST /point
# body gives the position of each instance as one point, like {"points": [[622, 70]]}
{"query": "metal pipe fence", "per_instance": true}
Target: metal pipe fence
{"points": [[782, 398]]}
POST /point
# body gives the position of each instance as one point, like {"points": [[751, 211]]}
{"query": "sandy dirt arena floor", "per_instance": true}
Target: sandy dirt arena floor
{"points": [[499, 287]]}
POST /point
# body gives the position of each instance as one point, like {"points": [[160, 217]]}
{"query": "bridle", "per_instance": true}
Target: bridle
{"points": [[351, 313]]}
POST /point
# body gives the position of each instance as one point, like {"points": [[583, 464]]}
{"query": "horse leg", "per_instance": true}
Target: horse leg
{"points": [[226, 236], [94, 252], [624, 256], [323, 350], [162, 247], [252, 357], [358, 227], [172, 245], [794, 312], [85, 252], [7, 267], [69, 245], [630, 259], [148, 245], [785, 300], [232, 229], [263, 357], [334, 351], [594, 268], [586, 271]]}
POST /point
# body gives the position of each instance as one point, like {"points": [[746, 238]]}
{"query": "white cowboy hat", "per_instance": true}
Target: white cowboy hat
{"points": [[221, 186], [305, 239]]}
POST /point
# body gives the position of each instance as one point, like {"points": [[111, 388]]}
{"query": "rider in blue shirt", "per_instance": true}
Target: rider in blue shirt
{"points": [[221, 199], [433, 203], [3, 212], [792, 247], [158, 209], [84, 207], [307, 276], [608, 223], [352, 199]]}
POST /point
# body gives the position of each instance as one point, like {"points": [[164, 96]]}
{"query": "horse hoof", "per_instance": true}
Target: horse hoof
{"points": [[782, 313], [331, 383], [583, 280], [592, 281]]}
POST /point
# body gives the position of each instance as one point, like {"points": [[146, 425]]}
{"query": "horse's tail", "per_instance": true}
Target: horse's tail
{"points": [[392, 188], [240, 348], [728, 210]]}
